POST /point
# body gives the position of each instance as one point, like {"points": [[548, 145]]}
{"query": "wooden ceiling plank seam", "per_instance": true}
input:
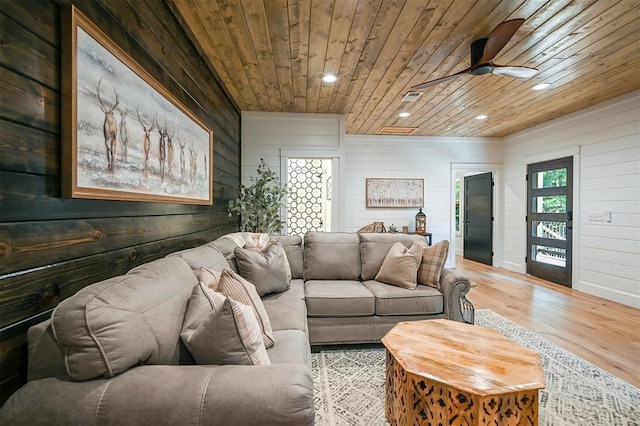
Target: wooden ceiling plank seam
{"points": [[452, 47], [575, 98], [232, 13], [569, 42], [464, 44], [386, 18], [407, 73], [319, 29], [622, 56], [466, 83], [278, 22], [361, 24], [189, 12], [560, 67], [299, 21], [256, 20], [341, 22], [501, 112], [203, 26], [394, 56], [569, 27]]}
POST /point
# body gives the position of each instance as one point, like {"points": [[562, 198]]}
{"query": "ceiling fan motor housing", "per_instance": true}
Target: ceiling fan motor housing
{"points": [[477, 49]]}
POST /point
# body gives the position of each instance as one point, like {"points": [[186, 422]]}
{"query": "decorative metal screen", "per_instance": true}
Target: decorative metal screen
{"points": [[308, 182]]}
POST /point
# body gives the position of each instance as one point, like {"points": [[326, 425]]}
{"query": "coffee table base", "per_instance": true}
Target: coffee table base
{"points": [[414, 400]]}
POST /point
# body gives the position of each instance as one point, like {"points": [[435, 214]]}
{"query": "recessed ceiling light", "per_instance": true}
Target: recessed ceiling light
{"points": [[482, 117], [540, 86], [404, 114], [329, 78]]}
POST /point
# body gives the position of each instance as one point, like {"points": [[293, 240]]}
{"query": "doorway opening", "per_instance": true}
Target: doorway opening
{"points": [[550, 220], [309, 200]]}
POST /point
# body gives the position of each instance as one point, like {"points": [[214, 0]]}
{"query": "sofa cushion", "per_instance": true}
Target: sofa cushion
{"points": [[393, 300], [292, 347], [207, 256], [433, 260], [136, 318], [400, 266], [218, 330], [292, 245], [287, 311], [227, 247], [375, 246], [338, 298], [237, 288], [209, 277], [331, 256], [268, 270]]}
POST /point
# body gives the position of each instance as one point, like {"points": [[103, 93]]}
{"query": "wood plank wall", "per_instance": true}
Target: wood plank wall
{"points": [[51, 247]]}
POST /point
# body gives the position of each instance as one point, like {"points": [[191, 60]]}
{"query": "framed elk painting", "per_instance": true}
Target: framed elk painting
{"points": [[125, 136]]}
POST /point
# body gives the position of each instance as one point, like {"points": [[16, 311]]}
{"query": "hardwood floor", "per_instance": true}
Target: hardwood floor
{"points": [[605, 333]]}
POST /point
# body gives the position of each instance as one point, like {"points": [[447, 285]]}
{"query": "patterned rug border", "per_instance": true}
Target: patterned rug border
{"points": [[349, 384]]}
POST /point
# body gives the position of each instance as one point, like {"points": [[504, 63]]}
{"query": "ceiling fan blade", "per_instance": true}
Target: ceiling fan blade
{"points": [[521, 73], [498, 38], [440, 80]]}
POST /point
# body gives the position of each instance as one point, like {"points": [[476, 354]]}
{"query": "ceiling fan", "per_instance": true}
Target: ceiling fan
{"points": [[482, 53]]}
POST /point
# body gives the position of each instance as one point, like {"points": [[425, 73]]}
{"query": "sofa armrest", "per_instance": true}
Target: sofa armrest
{"points": [[454, 285], [278, 394]]}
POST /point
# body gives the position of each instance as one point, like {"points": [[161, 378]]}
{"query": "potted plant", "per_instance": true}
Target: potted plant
{"points": [[259, 205]]}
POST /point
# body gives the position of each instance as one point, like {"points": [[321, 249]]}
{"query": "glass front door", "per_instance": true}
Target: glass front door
{"points": [[550, 220]]}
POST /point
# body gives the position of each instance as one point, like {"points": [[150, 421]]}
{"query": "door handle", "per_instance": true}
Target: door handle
{"points": [[569, 220]]}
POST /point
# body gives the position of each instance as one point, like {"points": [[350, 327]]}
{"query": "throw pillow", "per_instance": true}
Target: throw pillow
{"points": [[220, 331], [433, 260], [268, 270], [234, 286], [209, 277], [400, 266]]}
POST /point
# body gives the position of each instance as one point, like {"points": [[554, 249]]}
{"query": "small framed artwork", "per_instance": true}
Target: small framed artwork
{"points": [[125, 136], [395, 192]]}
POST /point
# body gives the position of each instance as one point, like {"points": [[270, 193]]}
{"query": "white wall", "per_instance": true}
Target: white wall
{"points": [[273, 136], [605, 143], [264, 134], [605, 140], [430, 158]]}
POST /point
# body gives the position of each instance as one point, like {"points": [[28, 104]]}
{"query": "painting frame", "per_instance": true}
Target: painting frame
{"points": [[394, 192], [166, 151]]}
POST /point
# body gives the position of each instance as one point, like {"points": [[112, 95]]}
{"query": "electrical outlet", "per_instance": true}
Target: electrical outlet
{"points": [[595, 217]]}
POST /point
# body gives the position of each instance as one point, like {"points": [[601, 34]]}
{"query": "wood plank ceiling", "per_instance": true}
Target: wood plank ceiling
{"points": [[271, 54]]}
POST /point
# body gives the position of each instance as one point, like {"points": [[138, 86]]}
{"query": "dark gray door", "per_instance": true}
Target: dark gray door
{"points": [[550, 220], [478, 218]]}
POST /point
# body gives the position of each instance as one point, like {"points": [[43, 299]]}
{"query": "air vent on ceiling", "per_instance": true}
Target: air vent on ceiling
{"points": [[395, 130], [411, 96]]}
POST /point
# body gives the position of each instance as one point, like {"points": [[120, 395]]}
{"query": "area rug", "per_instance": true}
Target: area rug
{"points": [[349, 384]]}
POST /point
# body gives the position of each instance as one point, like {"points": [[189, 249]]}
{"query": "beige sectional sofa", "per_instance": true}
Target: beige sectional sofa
{"points": [[113, 354]]}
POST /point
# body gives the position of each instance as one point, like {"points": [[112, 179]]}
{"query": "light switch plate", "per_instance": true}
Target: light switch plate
{"points": [[596, 217]]}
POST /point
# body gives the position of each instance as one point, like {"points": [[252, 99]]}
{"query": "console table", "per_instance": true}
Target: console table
{"points": [[442, 371]]}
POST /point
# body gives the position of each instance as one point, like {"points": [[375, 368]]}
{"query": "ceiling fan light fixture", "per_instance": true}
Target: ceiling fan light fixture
{"points": [[329, 78], [540, 86], [404, 114], [482, 117]]}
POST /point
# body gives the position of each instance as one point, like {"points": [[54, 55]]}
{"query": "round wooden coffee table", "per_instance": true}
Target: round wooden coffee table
{"points": [[447, 372]]}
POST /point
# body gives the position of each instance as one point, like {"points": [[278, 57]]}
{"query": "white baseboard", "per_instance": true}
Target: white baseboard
{"points": [[622, 297], [512, 266]]}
